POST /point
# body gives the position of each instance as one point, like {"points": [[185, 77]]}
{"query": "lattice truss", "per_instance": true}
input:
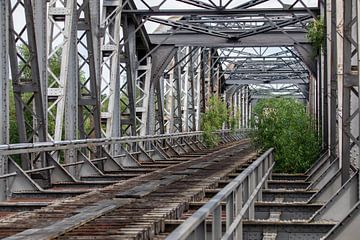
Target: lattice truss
{"points": [[189, 80], [275, 70], [84, 69], [74, 91], [343, 81], [228, 19], [250, 72]]}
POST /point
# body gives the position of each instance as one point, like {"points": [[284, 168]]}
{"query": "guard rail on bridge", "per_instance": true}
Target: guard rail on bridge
{"points": [[76, 160], [239, 195]]}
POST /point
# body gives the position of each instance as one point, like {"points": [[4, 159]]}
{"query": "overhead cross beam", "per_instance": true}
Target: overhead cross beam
{"points": [[225, 12]]}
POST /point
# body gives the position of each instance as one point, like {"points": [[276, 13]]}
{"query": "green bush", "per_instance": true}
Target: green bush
{"points": [[316, 34], [283, 123], [212, 120]]}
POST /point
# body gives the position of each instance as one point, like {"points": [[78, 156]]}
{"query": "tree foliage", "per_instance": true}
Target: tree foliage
{"points": [[283, 123], [213, 119], [316, 33]]}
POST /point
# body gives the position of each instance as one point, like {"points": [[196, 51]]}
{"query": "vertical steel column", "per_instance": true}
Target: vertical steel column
{"points": [[159, 86], [40, 27], [331, 63], [250, 112], [184, 90], [246, 103], [208, 77], [318, 96], [4, 91], [344, 69], [67, 110], [130, 49], [178, 123], [26, 78], [142, 99], [197, 90], [111, 44], [243, 107], [89, 60], [62, 85], [202, 97], [151, 111], [67, 114], [170, 101], [239, 108], [191, 92], [324, 89], [235, 105], [358, 72]]}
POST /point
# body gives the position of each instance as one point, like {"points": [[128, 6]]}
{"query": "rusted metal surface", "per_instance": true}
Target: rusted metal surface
{"points": [[148, 208]]}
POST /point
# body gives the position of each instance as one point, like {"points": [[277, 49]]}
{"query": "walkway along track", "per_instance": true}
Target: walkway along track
{"points": [[132, 209]]}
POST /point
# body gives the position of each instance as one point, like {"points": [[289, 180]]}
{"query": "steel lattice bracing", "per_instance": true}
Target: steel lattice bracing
{"points": [[89, 69], [342, 78], [76, 76], [115, 79]]}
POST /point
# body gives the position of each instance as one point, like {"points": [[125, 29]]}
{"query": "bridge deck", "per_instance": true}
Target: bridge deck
{"points": [[136, 208]]}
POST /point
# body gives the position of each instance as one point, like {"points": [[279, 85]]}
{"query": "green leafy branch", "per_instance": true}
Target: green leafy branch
{"points": [[316, 33]]}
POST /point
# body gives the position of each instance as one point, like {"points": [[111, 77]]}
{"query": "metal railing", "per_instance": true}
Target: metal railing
{"points": [[239, 196], [72, 161]]}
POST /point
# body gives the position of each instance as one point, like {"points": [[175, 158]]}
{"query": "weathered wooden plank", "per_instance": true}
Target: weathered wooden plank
{"points": [[85, 215]]}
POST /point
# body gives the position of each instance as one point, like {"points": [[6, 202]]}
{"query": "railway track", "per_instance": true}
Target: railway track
{"points": [[137, 208]]}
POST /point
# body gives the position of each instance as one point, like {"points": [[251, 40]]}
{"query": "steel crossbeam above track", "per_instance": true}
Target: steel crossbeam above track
{"points": [[207, 12]]}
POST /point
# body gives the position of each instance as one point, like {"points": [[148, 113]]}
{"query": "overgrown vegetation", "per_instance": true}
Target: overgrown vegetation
{"points": [[213, 119], [316, 34], [283, 123]]}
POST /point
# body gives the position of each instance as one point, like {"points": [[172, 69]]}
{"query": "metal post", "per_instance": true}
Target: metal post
{"points": [[238, 206], [89, 88], [177, 91], [324, 88], [246, 99], [331, 55], [40, 26], [68, 109], [130, 49], [197, 90], [216, 224], [229, 210], [4, 91], [27, 83], [242, 107], [239, 108], [184, 90], [358, 72], [191, 92], [169, 108], [344, 68], [252, 186], [143, 86], [111, 46]]}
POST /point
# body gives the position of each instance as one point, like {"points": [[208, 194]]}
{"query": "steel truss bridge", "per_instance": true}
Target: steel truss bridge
{"points": [[100, 119]]}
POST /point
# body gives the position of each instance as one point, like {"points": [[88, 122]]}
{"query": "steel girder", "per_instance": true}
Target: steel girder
{"points": [[265, 66], [75, 92], [273, 38], [111, 67], [227, 26], [4, 90], [98, 57], [348, 97], [27, 62]]}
